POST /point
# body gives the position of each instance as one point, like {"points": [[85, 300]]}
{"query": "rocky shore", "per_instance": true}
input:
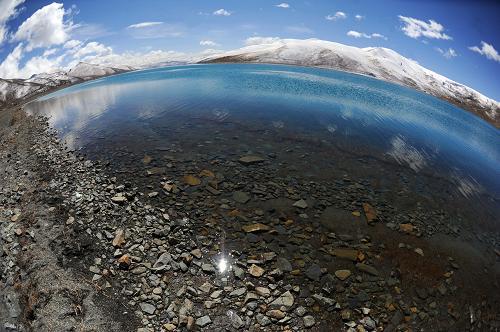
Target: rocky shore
{"points": [[223, 244]]}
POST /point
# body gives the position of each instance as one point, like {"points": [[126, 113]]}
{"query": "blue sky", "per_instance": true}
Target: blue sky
{"points": [[111, 26]]}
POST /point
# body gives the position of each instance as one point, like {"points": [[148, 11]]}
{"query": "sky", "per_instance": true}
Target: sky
{"points": [[456, 38]]}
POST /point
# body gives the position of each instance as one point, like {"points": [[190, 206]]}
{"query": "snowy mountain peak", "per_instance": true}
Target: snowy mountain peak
{"points": [[12, 90]]}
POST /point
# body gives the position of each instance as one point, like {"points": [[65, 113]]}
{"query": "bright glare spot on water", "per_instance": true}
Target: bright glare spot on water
{"points": [[223, 266]]}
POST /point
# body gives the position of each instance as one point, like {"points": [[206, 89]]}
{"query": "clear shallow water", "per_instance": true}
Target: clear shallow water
{"points": [[336, 121]]}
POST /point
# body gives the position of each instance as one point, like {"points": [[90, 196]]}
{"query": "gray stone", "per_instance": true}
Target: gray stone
{"points": [[147, 308], [238, 272], [241, 197], [238, 292], [203, 321], [309, 321], [285, 299], [314, 272], [163, 261], [209, 268], [301, 204], [300, 311], [283, 264], [236, 320], [250, 160], [367, 269]]}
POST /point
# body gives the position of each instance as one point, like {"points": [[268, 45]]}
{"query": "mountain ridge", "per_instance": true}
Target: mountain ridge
{"points": [[14, 90]]}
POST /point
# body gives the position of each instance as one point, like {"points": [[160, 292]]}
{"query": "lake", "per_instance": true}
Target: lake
{"points": [[315, 123]]}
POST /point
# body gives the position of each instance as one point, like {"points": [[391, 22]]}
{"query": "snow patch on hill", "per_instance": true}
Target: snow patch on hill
{"points": [[12, 90]]}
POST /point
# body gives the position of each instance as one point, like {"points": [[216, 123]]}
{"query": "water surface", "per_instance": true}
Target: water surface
{"points": [[314, 124]]}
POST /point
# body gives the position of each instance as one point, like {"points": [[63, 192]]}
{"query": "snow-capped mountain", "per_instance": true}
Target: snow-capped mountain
{"points": [[382, 63], [12, 90]]}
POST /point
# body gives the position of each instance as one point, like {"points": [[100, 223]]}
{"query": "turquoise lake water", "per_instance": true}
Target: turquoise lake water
{"points": [[215, 109]]}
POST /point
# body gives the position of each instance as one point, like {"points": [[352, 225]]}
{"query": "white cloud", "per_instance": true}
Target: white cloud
{"points": [[359, 17], [50, 51], [283, 5], [448, 54], [136, 59], [143, 25], [356, 34], [85, 31], [208, 43], [415, 28], [261, 40], [46, 27], [161, 30], [72, 43], [221, 12], [378, 35], [8, 10], [10, 67], [487, 50], [336, 16], [92, 48]]}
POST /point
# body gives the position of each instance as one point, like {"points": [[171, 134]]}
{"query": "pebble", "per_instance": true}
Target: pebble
{"points": [[301, 204], [275, 313], [367, 268], [343, 274], [256, 271], [286, 299], [314, 272], [203, 321], [250, 160], [147, 308], [309, 321], [255, 228], [241, 197]]}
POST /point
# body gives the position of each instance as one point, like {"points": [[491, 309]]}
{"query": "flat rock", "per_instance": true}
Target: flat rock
{"points": [[275, 313], [203, 321], [250, 160], [241, 197], [236, 320], [209, 268], [238, 292], [119, 239], [238, 272], [119, 199], [191, 180], [406, 228], [147, 308], [350, 254], [309, 321], [258, 227], [370, 212], [343, 274], [255, 270], [314, 272], [262, 291], [283, 264], [367, 269], [286, 299], [163, 261], [301, 204]]}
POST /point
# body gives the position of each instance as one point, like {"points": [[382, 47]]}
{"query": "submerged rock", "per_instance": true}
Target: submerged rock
{"points": [[250, 160]]}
